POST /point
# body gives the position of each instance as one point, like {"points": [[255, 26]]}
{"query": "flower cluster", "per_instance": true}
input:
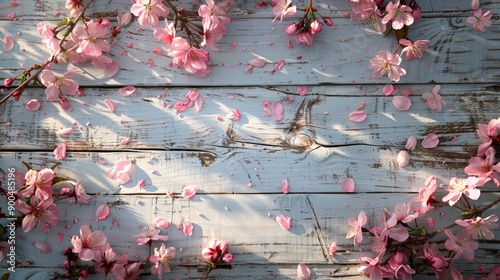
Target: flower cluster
{"points": [[216, 255], [404, 247]]}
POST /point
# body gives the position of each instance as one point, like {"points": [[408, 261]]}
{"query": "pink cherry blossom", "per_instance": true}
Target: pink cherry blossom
{"points": [[194, 60], [430, 141], [105, 258], [303, 272], [374, 268], [285, 222], [49, 41], [402, 212], [484, 168], [213, 31], [80, 193], [149, 11], [74, 7], [92, 38], [88, 243], [120, 172], [348, 185], [165, 35], [102, 212], [355, 229], [55, 85], [215, 10], [129, 271], [189, 192], [8, 43], [304, 37], [283, 8], [399, 14], [217, 251], [149, 234], [462, 245], [38, 183], [60, 151], [433, 99], [479, 228], [415, 49], [489, 134], [479, 20], [398, 264], [357, 116], [386, 61], [426, 194], [38, 213], [161, 260], [433, 257], [387, 228], [316, 27], [459, 186]]}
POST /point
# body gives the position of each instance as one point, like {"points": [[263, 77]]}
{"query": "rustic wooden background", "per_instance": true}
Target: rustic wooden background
{"points": [[314, 147]]}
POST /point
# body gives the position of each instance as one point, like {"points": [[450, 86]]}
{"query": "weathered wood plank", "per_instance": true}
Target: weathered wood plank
{"points": [[373, 169], [321, 117], [53, 9], [339, 55], [255, 237]]}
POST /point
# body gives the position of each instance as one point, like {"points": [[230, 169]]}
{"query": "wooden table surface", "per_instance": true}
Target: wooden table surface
{"points": [[238, 166]]}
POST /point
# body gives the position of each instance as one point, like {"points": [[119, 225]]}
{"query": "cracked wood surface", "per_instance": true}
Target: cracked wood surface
{"points": [[238, 166]]}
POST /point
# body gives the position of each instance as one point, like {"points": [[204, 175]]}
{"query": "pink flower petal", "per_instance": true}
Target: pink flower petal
{"points": [[124, 18], [303, 272], [8, 43], [110, 105], [33, 105], [302, 90], [357, 116], [284, 186], [332, 248], [141, 184], [187, 228], [411, 143], [189, 192], [234, 115], [60, 151], [348, 185], [406, 92], [402, 103], [162, 223], [361, 105], [267, 112], [126, 141], [102, 212], [284, 221], [277, 111], [64, 131], [127, 91], [403, 158], [110, 69], [430, 141], [257, 62], [198, 104], [388, 89], [44, 247]]}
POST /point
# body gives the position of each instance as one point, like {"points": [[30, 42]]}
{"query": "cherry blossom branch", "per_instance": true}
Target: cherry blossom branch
{"points": [[40, 68]]}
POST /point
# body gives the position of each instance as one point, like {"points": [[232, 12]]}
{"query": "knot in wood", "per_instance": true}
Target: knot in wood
{"points": [[300, 141]]}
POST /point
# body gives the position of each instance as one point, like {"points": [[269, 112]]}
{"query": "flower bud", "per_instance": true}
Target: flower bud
{"points": [[84, 273], [64, 103], [328, 21], [316, 26], [291, 29], [66, 265], [474, 5], [227, 258], [17, 94], [8, 82]]}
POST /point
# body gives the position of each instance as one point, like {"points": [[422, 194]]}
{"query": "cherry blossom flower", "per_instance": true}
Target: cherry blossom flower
{"points": [[92, 38], [38, 183], [283, 8], [434, 257], [479, 228], [459, 186], [80, 194], [215, 10], [426, 195], [415, 49], [130, 271], [57, 84], [399, 14], [433, 99], [398, 264], [388, 228], [39, 212], [148, 235], [304, 36], [106, 258], [484, 168], [402, 212], [49, 41], [165, 35], [74, 7], [489, 134], [368, 11], [194, 60], [387, 61], [161, 260], [374, 268], [149, 11], [88, 244], [217, 251], [479, 20], [355, 229], [213, 31], [461, 244]]}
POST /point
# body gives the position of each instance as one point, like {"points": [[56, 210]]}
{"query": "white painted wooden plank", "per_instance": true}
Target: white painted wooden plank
{"points": [[373, 169], [339, 55], [322, 116], [54, 9], [254, 237]]}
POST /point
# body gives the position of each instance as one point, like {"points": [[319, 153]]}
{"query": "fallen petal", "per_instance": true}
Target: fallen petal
{"points": [[402, 103], [430, 141], [124, 18], [162, 223], [110, 69], [348, 185], [8, 43], [110, 105], [403, 158], [33, 105], [60, 151], [44, 247], [284, 221], [302, 90], [127, 91], [102, 212], [388, 89], [303, 272], [357, 116], [278, 111], [284, 186], [189, 192], [257, 62], [234, 115], [411, 143], [267, 112], [187, 228], [333, 248], [64, 131]]}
